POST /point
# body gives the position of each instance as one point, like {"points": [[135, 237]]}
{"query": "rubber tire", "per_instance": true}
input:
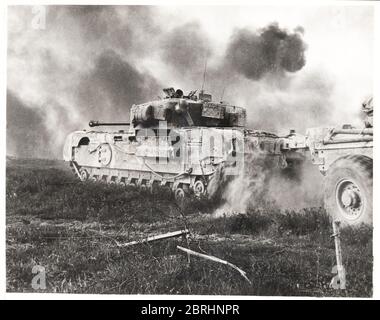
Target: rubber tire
{"points": [[201, 184], [358, 169]]}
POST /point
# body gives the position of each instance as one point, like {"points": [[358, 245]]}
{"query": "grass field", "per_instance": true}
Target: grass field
{"points": [[69, 228]]}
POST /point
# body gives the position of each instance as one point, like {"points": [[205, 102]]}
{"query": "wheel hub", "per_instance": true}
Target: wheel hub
{"points": [[349, 199], [83, 174], [199, 188]]}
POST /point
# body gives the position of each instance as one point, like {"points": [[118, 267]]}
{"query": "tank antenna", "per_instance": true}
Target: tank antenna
{"points": [[204, 74], [222, 95]]}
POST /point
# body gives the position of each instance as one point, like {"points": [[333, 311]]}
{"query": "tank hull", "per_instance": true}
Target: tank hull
{"points": [[180, 158]]}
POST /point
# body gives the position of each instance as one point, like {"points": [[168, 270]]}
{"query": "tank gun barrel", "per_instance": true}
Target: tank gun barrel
{"points": [[351, 140], [366, 131], [94, 123]]}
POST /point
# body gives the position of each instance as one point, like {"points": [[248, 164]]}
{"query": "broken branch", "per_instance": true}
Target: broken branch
{"points": [[154, 238], [215, 259]]}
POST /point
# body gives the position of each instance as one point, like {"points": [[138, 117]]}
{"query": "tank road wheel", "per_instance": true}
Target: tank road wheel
{"points": [[155, 185], [199, 188], [84, 175], [179, 193], [143, 185], [348, 190], [132, 183], [122, 183]]}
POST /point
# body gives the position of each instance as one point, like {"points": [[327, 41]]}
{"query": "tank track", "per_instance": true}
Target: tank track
{"points": [[181, 186]]}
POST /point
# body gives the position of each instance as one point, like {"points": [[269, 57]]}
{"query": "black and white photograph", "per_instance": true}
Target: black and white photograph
{"points": [[190, 150]]}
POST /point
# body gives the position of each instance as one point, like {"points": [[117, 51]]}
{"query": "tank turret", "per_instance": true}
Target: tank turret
{"points": [[179, 110]]}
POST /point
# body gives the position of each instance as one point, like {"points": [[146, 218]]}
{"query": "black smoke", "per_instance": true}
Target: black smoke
{"points": [[110, 88], [83, 66], [271, 50], [26, 131], [186, 48], [129, 30]]}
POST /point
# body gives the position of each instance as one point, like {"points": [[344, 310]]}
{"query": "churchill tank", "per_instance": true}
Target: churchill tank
{"points": [[178, 141]]}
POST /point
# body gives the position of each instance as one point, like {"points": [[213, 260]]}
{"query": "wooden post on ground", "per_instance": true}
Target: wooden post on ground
{"points": [[341, 273]]}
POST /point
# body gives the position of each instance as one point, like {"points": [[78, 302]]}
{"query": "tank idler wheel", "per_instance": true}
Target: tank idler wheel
{"points": [[83, 174], [199, 188]]}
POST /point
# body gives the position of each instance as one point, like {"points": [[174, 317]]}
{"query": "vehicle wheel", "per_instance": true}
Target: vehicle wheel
{"points": [[179, 193], [348, 190], [122, 183], [199, 188], [83, 174]]}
